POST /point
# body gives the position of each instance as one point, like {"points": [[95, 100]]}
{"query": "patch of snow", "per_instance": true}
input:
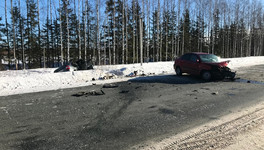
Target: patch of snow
{"points": [[235, 63], [36, 80]]}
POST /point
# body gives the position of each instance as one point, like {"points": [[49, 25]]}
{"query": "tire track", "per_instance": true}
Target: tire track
{"points": [[220, 136]]}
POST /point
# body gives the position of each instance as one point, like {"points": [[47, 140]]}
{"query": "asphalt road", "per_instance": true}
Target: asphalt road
{"points": [[141, 109]]}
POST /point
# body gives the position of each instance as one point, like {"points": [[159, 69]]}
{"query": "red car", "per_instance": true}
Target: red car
{"points": [[203, 64]]}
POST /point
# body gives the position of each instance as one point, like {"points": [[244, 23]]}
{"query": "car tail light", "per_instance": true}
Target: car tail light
{"points": [[67, 67]]}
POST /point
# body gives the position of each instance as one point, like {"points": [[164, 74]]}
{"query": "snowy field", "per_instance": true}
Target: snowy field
{"points": [[36, 80]]}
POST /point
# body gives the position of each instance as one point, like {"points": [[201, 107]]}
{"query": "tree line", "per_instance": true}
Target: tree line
{"points": [[109, 32]]}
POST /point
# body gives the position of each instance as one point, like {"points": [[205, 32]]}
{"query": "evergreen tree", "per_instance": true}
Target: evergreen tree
{"points": [[32, 51], [185, 29]]}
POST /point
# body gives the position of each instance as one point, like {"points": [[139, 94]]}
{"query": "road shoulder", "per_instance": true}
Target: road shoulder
{"points": [[242, 129]]}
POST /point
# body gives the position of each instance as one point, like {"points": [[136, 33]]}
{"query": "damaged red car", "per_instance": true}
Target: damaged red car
{"points": [[205, 65]]}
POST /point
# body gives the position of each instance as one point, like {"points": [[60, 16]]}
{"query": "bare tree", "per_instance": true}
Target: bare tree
{"points": [[98, 33], [158, 31], [148, 27], [123, 32], [166, 30], [7, 34], [109, 45], [85, 30], [62, 58], [14, 34], [141, 40], [79, 30], [51, 33], [209, 23], [143, 29], [39, 46], [47, 36], [68, 31], [22, 38], [183, 34], [173, 30], [213, 28], [126, 33], [105, 42], [134, 24], [178, 40], [114, 42]]}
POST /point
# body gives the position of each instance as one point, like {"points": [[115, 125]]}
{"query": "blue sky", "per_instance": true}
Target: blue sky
{"points": [[55, 5]]}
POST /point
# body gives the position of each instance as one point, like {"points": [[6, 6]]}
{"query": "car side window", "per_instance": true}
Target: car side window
{"points": [[186, 57], [193, 58]]}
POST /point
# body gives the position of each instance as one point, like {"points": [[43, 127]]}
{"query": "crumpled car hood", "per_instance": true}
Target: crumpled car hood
{"points": [[220, 64]]}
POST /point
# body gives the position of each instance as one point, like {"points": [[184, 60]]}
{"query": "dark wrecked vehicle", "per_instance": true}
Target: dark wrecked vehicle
{"points": [[75, 65], [203, 64]]}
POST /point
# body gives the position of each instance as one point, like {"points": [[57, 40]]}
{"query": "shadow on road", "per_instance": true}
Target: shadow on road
{"points": [[168, 79]]}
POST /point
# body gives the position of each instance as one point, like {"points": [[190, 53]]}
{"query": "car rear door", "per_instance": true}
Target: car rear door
{"points": [[193, 64], [184, 61]]}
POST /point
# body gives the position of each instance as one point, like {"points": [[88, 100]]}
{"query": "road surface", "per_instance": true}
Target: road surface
{"points": [[126, 116]]}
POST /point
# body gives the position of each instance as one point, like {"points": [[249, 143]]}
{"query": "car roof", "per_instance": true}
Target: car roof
{"points": [[198, 53]]}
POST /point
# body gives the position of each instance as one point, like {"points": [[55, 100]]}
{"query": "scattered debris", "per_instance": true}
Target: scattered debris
{"points": [[137, 87], [138, 73], [79, 94], [205, 88], [93, 92], [28, 104], [93, 79], [111, 85], [94, 83], [124, 91], [143, 75], [135, 73], [164, 72], [152, 106], [131, 75], [108, 76], [214, 93]]}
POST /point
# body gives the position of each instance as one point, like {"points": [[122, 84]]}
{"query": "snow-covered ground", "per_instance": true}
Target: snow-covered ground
{"points": [[36, 80]]}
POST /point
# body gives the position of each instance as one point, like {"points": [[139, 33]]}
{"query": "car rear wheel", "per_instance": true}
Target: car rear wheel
{"points": [[206, 75], [178, 71]]}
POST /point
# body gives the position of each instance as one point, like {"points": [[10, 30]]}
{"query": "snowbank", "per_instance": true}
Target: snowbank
{"points": [[244, 61], [35, 80]]}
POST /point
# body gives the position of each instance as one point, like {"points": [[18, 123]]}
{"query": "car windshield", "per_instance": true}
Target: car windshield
{"points": [[209, 58]]}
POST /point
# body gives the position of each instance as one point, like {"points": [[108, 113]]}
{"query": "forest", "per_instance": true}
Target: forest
{"points": [[111, 32]]}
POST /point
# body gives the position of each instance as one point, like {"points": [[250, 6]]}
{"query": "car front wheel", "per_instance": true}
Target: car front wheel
{"points": [[178, 71], [206, 75]]}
